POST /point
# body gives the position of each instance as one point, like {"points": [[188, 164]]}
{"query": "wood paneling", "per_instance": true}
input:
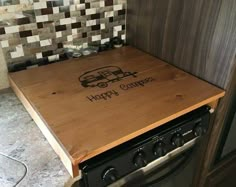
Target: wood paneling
{"points": [[197, 36], [208, 152], [224, 174]]}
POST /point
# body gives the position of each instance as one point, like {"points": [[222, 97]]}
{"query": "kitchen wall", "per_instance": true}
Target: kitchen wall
{"points": [[197, 36], [3, 72], [35, 31]]}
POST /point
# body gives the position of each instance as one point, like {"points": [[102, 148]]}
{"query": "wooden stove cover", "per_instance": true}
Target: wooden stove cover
{"points": [[89, 105]]}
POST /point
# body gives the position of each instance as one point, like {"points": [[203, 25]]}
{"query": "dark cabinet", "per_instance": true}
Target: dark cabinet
{"points": [[222, 171], [228, 139], [224, 174]]}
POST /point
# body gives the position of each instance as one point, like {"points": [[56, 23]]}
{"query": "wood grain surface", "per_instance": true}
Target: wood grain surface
{"points": [[82, 122], [223, 174], [212, 144], [197, 36]]}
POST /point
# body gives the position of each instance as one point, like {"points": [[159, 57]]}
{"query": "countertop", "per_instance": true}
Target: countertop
{"points": [[23, 144]]}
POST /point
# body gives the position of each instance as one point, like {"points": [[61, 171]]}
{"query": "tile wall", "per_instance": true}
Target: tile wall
{"points": [[35, 31]]}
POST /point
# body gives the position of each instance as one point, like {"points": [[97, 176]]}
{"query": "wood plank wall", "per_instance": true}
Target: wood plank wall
{"points": [[198, 36]]}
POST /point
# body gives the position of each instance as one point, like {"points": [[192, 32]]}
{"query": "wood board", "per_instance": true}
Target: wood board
{"points": [[87, 106]]}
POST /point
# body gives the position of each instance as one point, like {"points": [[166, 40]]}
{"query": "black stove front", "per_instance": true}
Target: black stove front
{"points": [[115, 164]]}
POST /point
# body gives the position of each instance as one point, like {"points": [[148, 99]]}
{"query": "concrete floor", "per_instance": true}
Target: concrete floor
{"points": [[24, 152]]}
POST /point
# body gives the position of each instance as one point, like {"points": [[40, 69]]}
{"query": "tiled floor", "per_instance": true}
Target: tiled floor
{"points": [[21, 140]]}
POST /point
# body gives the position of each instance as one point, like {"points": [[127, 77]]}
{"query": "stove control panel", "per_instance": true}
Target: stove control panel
{"points": [[118, 162]]}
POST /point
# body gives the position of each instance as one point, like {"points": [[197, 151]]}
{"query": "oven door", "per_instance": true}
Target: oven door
{"points": [[174, 169]]}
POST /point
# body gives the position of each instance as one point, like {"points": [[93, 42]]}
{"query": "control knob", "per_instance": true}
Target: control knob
{"points": [[139, 159], [110, 175], [159, 149], [177, 140], [199, 130]]}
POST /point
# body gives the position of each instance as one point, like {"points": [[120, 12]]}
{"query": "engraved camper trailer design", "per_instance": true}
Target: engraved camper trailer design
{"points": [[102, 76]]}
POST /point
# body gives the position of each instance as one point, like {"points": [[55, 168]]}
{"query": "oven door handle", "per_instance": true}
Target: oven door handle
{"points": [[184, 159]]}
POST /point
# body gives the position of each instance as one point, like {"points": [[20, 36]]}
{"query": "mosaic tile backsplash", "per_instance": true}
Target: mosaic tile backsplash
{"points": [[32, 31]]}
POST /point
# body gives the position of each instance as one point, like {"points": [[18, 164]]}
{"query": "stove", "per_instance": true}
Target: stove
{"points": [[109, 101], [140, 152]]}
